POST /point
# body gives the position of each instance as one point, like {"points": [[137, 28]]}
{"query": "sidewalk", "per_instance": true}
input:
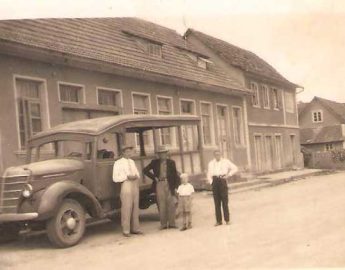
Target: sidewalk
{"points": [[273, 179]]}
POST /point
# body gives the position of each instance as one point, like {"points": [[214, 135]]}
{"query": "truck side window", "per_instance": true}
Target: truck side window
{"points": [[107, 146]]}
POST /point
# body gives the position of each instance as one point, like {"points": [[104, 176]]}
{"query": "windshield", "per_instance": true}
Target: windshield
{"points": [[64, 149]]}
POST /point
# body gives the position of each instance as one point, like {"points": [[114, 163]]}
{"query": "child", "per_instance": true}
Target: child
{"points": [[185, 191]]}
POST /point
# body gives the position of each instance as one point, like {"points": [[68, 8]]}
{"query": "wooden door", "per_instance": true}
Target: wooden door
{"points": [[269, 154], [259, 153]]}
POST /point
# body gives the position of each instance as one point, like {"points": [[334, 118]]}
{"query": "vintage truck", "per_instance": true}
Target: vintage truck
{"points": [[68, 175]]}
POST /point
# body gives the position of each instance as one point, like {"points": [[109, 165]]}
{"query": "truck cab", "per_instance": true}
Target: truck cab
{"points": [[68, 174]]}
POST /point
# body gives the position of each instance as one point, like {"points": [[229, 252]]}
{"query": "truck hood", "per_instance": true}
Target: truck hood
{"points": [[46, 167]]}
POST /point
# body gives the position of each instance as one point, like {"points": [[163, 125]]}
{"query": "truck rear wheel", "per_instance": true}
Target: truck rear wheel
{"points": [[67, 227]]}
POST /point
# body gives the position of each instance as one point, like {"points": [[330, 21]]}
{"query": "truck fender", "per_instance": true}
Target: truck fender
{"points": [[53, 196]]}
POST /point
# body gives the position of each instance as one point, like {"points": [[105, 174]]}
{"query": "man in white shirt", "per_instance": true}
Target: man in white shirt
{"points": [[126, 173], [219, 171]]}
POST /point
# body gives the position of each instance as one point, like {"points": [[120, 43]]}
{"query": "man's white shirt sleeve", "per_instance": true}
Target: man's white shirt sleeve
{"points": [[233, 169]]}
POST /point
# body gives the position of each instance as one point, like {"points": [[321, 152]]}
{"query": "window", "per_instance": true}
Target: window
{"points": [[289, 102], [164, 106], [276, 101], [29, 109], [141, 105], [265, 96], [202, 62], [317, 116], [151, 48], [329, 146], [70, 93], [187, 107], [189, 133], [238, 126], [255, 97], [108, 97], [206, 113]]}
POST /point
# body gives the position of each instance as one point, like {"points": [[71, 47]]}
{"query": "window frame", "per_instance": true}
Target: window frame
{"points": [[265, 96], [317, 116], [212, 139], [171, 130], [44, 105], [276, 106], [150, 145], [256, 94], [82, 92], [148, 95], [329, 147], [118, 91], [188, 100], [242, 142]]}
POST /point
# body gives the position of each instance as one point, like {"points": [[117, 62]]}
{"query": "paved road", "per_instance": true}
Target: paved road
{"points": [[299, 224]]}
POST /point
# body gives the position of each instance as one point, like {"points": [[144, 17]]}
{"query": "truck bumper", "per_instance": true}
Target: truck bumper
{"points": [[17, 217]]}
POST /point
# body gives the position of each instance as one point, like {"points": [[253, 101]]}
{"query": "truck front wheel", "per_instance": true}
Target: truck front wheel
{"points": [[67, 227]]}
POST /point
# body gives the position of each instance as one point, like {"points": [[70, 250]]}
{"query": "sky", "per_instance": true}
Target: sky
{"points": [[303, 39]]}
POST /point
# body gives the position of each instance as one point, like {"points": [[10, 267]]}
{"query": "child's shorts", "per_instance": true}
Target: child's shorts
{"points": [[184, 204]]}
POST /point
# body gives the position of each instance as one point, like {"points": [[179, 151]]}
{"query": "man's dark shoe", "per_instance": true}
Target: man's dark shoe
{"points": [[183, 228], [163, 227], [172, 227], [126, 235], [218, 224]]}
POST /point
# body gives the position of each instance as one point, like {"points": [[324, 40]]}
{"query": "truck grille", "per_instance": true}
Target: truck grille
{"points": [[10, 192]]}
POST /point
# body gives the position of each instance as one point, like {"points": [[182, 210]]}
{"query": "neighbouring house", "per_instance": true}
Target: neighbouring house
{"points": [[272, 117], [322, 123], [60, 70]]}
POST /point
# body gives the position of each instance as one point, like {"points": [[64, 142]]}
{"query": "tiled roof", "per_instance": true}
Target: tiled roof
{"points": [[112, 41], [321, 135], [239, 57]]}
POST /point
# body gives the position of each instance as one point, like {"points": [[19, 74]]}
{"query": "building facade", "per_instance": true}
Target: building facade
{"points": [[124, 66], [272, 117], [60, 70]]}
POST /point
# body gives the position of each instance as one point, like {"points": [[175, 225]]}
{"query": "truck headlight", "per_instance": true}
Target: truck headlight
{"points": [[27, 191]]}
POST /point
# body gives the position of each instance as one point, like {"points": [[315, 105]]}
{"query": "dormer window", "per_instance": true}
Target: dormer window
{"points": [[202, 62], [151, 48], [154, 49]]}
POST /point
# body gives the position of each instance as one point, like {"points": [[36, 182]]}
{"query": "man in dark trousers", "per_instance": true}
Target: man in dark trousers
{"points": [[166, 180], [219, 171]]}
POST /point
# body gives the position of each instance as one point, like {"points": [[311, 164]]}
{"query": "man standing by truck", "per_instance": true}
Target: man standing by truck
{"points": [[126, 173], [166, 180], [219, 171]]}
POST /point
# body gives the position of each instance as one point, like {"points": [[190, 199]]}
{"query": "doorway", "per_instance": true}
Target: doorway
{"points": [[259, 153]]}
